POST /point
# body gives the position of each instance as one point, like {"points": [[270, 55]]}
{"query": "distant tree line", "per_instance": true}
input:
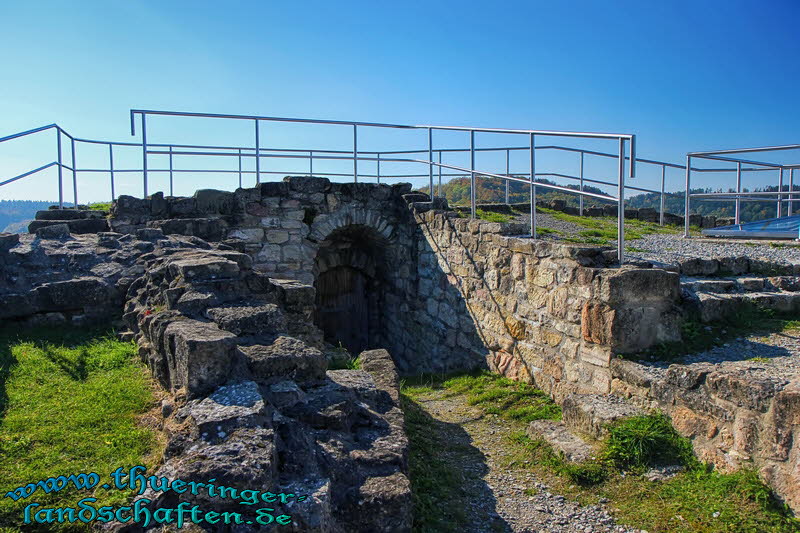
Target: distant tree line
{"points": [[15, 214]]}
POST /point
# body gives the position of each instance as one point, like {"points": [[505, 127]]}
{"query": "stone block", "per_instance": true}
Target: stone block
{"points": [[249, 319], [201, 356], [49, 231], [285, 358], [204, 268]]}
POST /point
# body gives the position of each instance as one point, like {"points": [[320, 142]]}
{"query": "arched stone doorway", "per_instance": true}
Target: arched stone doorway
{"points": [[349, 274]]}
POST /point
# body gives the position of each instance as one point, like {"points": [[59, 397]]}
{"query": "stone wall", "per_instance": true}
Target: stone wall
{"points": [[736, 413], [538, 311]]}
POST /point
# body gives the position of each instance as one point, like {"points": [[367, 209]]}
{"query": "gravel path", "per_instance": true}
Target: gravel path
{"points": [[498, 493]]}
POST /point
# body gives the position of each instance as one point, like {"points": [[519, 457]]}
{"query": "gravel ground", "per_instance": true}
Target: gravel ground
{"points": [[671, 248], [497, 493]]}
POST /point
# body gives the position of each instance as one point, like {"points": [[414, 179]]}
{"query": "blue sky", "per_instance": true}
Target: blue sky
{"points": [[683, 76]]}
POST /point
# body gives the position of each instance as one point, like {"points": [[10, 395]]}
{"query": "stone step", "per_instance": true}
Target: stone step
{"points": [[710, 285], [750, 284], [80, 225], [573, 448], [714, 307], [69, 214], [741, 284], [591, 414]]}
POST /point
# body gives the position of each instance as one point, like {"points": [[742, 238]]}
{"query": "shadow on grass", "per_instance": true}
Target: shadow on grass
{"points": [[447, 472], [46, 338]]}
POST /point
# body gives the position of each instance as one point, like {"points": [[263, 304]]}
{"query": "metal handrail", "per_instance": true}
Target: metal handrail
{"points": [[257, 152], [739, 196]]}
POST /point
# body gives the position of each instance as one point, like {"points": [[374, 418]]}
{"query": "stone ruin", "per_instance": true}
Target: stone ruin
{"points": [[237, 299]]}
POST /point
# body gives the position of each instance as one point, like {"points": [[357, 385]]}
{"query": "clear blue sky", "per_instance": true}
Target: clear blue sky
{"points": [[682, 75]]}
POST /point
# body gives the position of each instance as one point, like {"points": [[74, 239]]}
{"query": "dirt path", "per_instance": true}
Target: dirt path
{"points": [[502, 498]]}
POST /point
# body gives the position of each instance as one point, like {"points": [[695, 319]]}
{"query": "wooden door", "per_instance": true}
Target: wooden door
{"points": [[342, 310]]}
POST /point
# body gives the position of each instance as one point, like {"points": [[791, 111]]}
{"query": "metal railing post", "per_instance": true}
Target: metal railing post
{"points": [[170, 171], [378, 170], [144, 153], [74, 174], [430, 163], [311, 163], [60, 170], [355, 153], [472, 173], [533, 186], [111, 168], [239, 157], [508, 153], [621, 204], [580, 196], [686, 200], [780, 191], [663, 183], [440, 173], [738, 208], [791, 192], [258, 155]]}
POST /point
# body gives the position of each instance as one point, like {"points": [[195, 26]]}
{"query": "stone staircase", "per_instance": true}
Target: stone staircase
{"points": [[715, 299], [585, 420], [77, 220]]}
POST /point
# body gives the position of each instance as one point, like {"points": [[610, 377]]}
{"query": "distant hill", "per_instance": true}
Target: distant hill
{"points": [[16, 214], [492, 190]]}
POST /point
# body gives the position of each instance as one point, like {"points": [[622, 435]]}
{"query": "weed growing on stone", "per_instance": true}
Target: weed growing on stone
{"points": [[70, 401], [100, 206], [639, 442]]}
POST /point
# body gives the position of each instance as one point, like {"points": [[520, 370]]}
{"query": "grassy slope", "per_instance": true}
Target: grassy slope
{"points": [[69, 403]]}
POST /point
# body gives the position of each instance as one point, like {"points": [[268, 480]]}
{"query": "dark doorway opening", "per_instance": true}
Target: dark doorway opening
{"points": [[349, 287]]}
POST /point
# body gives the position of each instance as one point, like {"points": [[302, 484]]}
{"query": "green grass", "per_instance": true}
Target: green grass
{"points": [[70, 401], [603, 230], [100, 206], [512, 400], [639, 442], [492, 217]]}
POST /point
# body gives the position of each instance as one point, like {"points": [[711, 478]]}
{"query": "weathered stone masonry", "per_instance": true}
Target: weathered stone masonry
{"points": [[548, 313]]}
